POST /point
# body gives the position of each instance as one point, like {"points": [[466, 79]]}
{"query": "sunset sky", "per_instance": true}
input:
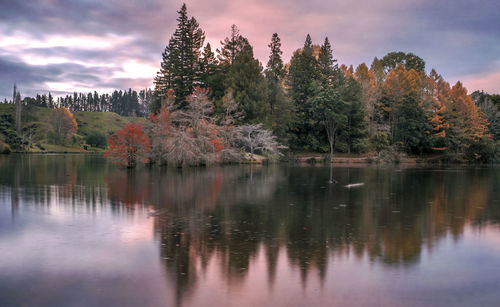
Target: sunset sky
{"points": [[84, 45]]}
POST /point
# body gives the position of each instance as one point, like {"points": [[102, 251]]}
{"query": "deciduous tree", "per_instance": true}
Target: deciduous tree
{"points": [[62, 124], [128, 145]]}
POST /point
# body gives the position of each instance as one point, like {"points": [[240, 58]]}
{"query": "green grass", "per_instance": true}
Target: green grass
{"points": [[37, 118]]}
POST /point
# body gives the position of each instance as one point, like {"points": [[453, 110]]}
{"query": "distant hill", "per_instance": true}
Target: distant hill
{"points": [[93, 130]]}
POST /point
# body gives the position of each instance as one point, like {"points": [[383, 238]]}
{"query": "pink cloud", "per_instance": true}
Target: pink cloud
{"points": [[488, 82]]}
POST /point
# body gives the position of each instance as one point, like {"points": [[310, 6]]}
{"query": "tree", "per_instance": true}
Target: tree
{"points": [[328, 68], [490, 110], [128, 145], [275, 72], [370, 91], [355, 131], [468, 124], [195, 139], [303, 72], [210, 71], [412, 128], [378, 70], [232, 46], [437, 96], [408, 60], [331, 112], [180, 67], [62, 124], [280, 106], [249, 85], [17, 101], [158, 130], [255, 138]]}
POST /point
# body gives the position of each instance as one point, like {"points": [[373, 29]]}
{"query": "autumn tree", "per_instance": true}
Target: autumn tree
{"points": [[195, 138], [467, 122], [62, 124], [378, 70], [437, 93], [129, 145], [158, 130], [370, 91]]}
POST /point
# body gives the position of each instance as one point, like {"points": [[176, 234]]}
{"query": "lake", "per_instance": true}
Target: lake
{"points": [[78, 231]]}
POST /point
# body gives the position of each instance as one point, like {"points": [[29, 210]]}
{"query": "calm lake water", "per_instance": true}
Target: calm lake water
{"points": [[78, 231]]}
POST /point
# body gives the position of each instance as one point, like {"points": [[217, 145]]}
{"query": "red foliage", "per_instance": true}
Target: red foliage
{"points": [[218, 146], [128, 145]]}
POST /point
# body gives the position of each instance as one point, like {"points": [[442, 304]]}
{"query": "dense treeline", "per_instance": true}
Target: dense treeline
{"points": [[312, 104], [390, 107], [125, 103]]}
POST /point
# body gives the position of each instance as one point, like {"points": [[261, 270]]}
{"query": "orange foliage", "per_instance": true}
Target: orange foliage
{"points": [[63, 123], [474, 124], [369, 87], [410, 83], [128, 145]]}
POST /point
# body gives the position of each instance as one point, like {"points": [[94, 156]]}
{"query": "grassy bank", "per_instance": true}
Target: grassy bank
{"points": [[35, 136]]}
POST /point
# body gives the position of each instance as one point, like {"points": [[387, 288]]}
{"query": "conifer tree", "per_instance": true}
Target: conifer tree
{"points": [[249, 85], [180, 67], [232, 46], [275, 72], [303, 72]]}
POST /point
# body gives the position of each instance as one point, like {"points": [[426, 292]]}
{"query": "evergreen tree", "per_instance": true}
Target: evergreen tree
{"points": [[213, 74], [279, 104], [249, 85], [355, 131], [275, 72], [303, 72], [327, 64], [180, 67], [232, 46]]}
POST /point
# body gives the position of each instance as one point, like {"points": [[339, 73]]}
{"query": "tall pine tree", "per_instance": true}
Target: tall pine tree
{"points": [[275, 72], [180, 67], [249, 85], [303, 72], [232, 46]]}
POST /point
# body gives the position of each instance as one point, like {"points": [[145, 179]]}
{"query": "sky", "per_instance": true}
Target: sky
{"points": [[63, 46]]}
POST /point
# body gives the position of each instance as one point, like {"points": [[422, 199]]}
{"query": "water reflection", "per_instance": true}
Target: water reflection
{"points": [[227, 223]]}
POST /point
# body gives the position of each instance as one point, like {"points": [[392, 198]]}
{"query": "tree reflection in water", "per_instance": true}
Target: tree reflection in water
{"points": [[228, 215]]}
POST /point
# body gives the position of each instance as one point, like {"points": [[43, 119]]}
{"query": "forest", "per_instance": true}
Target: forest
{"points": [[207, 105]]}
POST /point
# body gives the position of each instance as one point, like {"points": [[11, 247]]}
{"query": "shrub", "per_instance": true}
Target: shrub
{"points": [[96, 139], [4, 148], [380, 140], [390, 155]]}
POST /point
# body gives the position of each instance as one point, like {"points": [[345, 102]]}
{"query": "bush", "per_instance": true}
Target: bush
{"points": [[380, 140], [96, 139], [4, 148], [390, 155]]}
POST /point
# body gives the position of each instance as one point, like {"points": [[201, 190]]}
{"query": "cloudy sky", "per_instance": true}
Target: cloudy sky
{"points": [[81, 45]]}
